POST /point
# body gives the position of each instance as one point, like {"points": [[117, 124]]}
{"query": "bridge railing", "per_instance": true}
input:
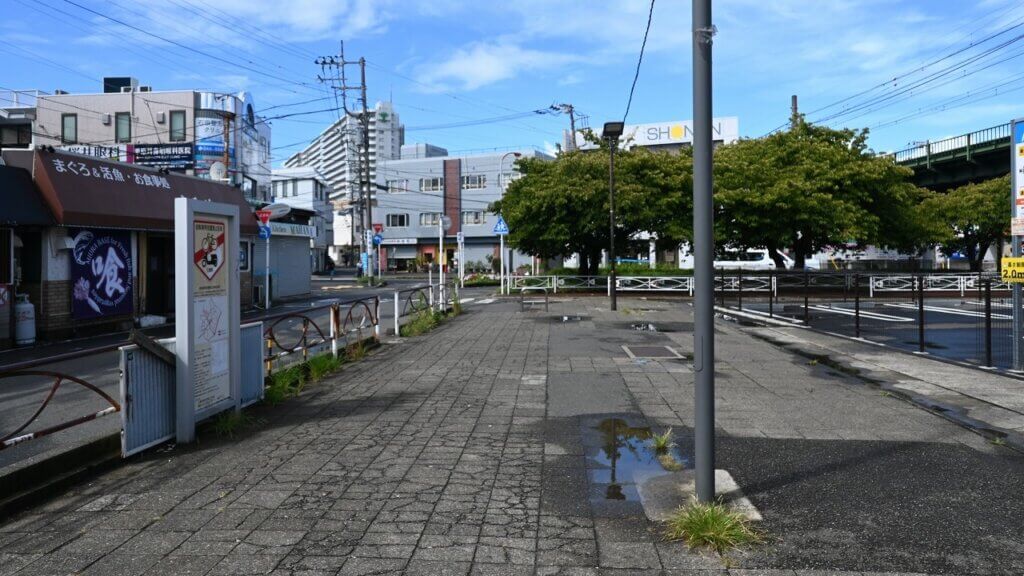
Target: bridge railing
{"points": [[955, 143]]}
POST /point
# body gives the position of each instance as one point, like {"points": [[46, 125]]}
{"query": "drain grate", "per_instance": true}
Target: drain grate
{"points": [[653, 352]]}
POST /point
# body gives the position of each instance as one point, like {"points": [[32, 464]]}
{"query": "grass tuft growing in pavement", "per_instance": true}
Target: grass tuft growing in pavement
{"points": [[422, 323], [713, 525], [322, 365], [229, 423], [663, 442]]}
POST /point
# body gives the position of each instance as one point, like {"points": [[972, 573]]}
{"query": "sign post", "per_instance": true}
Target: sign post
{"points": [[461, 239], [264, 216], [207, 328], [501, 229], [1017, 235]]}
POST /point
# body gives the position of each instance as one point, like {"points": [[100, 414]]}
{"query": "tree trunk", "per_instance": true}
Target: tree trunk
{"points": [[975, 254], [773, 253], [999, 255]]}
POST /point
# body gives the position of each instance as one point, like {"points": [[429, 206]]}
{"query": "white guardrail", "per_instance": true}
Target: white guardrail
{"points": [[732, 282]]}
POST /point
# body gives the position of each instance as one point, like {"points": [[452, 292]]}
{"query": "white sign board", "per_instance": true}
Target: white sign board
{"points": [[207, 343]]}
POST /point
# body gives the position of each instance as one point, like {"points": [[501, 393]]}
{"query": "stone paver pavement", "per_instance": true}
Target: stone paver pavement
{"points": [[504, 443]]}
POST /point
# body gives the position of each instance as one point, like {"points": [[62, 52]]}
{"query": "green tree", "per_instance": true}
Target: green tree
{"points": [[810, 188], [560, 207], [971, 219]]}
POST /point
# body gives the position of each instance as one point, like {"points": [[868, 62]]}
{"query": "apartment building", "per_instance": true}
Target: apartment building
{"points": [[206, 134], [426, 183], [336, 154]]}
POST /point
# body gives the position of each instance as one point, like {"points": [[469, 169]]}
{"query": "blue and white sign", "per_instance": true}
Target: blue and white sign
{"points": [[460, 237], [377, 239], [364, 259], [500, 227], [264, 232]]}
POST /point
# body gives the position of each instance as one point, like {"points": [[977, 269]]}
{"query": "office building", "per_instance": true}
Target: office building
{"points": [[305, 188]]}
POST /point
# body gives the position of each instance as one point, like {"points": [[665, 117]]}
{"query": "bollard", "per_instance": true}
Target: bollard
{"points": [[771, 294], [988, 322], [397, 297], [807, 310], [920, 315], [334, 330], [739, 289], [376, 318], [270, 355], [856, 305]]}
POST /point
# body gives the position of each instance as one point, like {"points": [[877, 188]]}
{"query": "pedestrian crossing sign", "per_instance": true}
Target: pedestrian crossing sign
{"points": [[500, 227]]}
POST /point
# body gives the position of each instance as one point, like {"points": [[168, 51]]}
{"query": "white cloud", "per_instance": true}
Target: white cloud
{"points": [[482, 63]]}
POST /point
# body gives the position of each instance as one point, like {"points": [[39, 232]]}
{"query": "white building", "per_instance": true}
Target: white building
{"points": [[667, 135], [425, 184], [308, 189], [336, 154], [185, 131]]}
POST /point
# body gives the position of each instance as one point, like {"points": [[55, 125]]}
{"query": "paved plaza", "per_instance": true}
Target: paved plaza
{"points": [[511, 443]]}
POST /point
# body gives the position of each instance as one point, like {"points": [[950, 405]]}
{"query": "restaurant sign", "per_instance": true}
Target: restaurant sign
{"points": [[101, 273]]}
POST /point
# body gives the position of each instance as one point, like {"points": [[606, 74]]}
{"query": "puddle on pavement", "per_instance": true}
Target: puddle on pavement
{"points": [[625, 452]]}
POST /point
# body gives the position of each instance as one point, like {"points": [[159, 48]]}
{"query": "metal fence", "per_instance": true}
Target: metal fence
{"points": [[410, 302]]}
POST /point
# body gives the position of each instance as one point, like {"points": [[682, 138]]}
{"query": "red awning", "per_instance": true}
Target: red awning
{"points": [[85, 191]]}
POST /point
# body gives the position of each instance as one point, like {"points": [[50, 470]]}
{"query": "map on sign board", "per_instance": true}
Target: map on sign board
{"points": [[210, 312]]}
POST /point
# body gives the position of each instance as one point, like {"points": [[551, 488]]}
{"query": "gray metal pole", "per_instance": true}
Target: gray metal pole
{"points": [[613, 143], [1015, 247], [704, 247]]}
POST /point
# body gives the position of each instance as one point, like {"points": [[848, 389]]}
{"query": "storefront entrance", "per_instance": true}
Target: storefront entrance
{"points": [[159, 295]]}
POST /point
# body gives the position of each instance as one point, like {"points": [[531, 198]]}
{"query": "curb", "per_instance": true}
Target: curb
{"points": [[53, 475]]}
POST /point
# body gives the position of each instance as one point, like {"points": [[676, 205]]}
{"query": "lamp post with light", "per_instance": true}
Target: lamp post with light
{"points": [[611, 133]]}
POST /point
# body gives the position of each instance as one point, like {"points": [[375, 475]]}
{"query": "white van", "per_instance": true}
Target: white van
{"points": [[751, 259]]}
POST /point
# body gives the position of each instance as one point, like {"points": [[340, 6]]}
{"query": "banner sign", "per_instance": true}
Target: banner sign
{"points": [[175, 156], [101, 274]]}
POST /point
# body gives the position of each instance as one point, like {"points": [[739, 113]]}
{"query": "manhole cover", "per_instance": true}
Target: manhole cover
{"points": [[651, 352]]}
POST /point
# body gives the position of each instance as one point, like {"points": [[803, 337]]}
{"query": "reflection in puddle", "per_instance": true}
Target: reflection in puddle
{"points": [[624, 452]]}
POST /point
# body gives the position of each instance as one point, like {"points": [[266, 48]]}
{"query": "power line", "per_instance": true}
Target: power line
{"points": [[187, 47], [636, 75]]}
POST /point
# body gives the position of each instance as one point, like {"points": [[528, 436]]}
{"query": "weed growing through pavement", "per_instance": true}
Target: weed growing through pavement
{"points": [[355, 351], [669, 462], [322, 365], [663, 442], [998, 441], [229, 423], [422, 323], [713, 525]]}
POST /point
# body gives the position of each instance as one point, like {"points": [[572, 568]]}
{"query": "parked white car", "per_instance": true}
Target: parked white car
{"points": [[752, 259]]}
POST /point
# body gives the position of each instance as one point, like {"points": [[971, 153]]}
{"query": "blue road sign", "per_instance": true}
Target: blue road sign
{"points": [[500, 227], [377, 239], [264, 232]]}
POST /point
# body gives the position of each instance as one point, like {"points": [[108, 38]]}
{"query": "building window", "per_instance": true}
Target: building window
{"points": [[123, 127], [398, 186], [430, 218], [69, 128], [431, 184], [177, 126], [398, 220], [474, 182], [505, 177], [473, 217]]}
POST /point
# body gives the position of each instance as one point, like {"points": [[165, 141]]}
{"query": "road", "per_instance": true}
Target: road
{"points": [[954, 327], [20, 397]]}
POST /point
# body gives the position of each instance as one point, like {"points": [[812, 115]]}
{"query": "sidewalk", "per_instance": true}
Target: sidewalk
{"points": [[511, 443]]}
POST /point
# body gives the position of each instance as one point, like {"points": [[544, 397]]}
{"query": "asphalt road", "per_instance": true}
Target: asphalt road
{"points": [[20, 397], [954, 327]]}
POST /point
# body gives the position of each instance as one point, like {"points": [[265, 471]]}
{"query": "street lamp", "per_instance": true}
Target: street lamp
{"points": [[612, 131]]}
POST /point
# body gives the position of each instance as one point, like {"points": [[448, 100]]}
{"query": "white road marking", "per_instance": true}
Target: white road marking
{"points": [[863, 314], [466, 300], [486, 300], [776, 317], [953, 311]]}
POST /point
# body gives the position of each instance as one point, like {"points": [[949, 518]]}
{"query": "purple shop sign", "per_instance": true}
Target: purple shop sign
{"points": [[101, 273]]}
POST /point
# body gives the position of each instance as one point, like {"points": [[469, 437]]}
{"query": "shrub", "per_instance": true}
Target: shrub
{"points": [[713, 525]]}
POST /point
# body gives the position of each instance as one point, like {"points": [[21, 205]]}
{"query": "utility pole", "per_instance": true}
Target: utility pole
{"points": [[226, 158], [368, 191], [704, 248], [338, 83], [794, 111], [571, 111]]}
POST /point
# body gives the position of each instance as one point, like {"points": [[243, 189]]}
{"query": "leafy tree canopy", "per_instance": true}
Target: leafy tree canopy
{"points": [[970, 219]]}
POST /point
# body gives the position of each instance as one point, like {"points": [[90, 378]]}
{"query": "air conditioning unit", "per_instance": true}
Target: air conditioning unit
{"points": [[145, 88], [106, 119], [126, 90], [160, 116]]}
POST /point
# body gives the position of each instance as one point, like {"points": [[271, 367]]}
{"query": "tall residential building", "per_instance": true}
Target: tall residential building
{"points": [[426, 184], [206, 134], [307, 189], [336, 153]]}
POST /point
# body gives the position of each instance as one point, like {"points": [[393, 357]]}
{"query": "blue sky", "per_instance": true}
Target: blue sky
{"points": [[451, 61]]}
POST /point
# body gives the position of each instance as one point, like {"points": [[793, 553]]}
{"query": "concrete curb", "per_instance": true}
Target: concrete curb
{"points": [[57, 473]]}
